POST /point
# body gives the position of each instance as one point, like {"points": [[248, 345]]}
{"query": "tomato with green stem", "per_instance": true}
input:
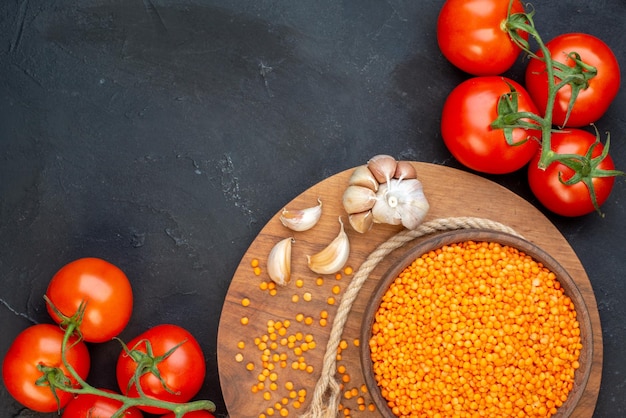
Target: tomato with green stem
{"points": [[582, 178], [472, 35], [165, 362], [471, 119], [45, 370], [573, 176], [101, 287], [90, 405], [591, 89], [34, 360]]}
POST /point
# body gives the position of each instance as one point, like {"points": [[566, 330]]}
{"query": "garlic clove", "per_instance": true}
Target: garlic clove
{"points": [[362, 221], [362, 176], [332, 258], [358, 199], [279, 262], [301, 219], [405, 170], [383, 167]]}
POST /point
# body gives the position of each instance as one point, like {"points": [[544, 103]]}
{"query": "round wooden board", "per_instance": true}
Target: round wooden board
{"points": [[451, 193]]}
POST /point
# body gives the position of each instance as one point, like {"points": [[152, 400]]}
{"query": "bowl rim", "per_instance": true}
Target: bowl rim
{"points": [[441, 239]]}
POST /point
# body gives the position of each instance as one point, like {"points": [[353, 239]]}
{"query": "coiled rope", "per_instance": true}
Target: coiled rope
{"points": [[327, 394]]}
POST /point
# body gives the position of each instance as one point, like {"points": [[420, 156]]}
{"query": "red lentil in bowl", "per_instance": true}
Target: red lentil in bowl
{"points": [[476, 323]]}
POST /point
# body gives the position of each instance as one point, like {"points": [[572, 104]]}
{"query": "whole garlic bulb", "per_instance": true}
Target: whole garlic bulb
{"points": [[392, 191]]}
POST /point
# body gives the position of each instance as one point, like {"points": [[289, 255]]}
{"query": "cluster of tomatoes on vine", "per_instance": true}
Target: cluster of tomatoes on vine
{"points": [[91, 301], [495, 125]]}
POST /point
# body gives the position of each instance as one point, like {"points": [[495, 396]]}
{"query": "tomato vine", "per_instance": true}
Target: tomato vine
{"points": [[558, 76], [55, 379]]}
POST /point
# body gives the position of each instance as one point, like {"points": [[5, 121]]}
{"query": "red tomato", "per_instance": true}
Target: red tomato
{"points": [[591, 102], [183, 370], [194, 414], [103, 286], [470, 35], [571, 200], [41, 345], [465, 126], [88, 405]]}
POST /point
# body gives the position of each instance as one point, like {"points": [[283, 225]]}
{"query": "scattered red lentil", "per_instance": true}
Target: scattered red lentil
{"points": [[280, 348], [256, 269], [343, 344], [277, 349]]}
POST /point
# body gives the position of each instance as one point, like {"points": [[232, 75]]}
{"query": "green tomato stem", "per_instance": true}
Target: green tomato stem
{"points": [[558, 76], [82, 387], [527, 25]]}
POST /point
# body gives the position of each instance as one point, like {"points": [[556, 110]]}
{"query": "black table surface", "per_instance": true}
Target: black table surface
{"points": [[162, 135]]}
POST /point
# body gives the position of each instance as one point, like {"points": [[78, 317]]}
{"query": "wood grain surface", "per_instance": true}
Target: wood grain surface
{"points": [[451, 193]]}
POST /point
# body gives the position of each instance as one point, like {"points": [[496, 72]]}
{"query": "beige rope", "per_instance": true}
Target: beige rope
{"points": [[327, 394]]}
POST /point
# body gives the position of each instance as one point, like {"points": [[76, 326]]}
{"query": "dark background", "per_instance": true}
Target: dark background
{"points": [[162, 135]]}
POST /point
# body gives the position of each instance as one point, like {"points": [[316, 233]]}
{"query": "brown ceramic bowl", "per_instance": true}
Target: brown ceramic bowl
{"points": [[581, 375]]}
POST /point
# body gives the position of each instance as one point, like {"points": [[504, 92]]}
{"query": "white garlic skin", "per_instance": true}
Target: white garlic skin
{"points": [[332, 258], [383, 213], [279, 262], [301, 219], [401, 202]]}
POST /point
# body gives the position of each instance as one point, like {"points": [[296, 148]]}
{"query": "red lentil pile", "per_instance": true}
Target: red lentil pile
{"points": [[475, 329]]}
